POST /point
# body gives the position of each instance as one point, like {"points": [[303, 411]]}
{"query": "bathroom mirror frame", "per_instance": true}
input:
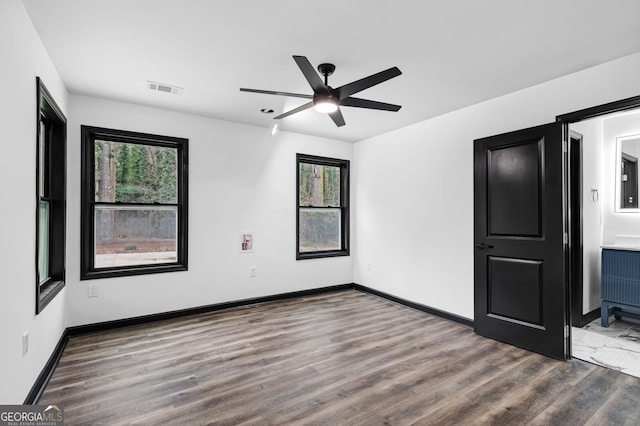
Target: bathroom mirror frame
{"points": [[628, 158]]}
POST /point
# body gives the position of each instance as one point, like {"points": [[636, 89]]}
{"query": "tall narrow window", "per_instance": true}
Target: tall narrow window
{"points": [[323, 207], [134, 203], [51, 171]]}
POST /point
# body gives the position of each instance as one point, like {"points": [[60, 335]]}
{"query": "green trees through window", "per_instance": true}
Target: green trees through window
{"points": [[134, 173], [322, 207], [319, 228], [319, 185], [135, 207]]}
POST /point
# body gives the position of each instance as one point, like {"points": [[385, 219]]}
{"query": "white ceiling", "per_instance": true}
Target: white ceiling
{"points": [[452, 53]]}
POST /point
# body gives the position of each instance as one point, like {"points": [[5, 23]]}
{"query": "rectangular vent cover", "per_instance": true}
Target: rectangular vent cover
{"points": [[166, 88]]}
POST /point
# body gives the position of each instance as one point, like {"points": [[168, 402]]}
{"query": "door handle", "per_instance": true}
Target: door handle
{"points": [[483, 246]]}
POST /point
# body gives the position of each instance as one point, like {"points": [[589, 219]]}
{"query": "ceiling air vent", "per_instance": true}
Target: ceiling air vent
{"points": [[166, 88]]}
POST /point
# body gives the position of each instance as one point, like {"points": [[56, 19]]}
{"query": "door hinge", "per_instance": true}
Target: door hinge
{"points": [[565, 146], [565, 238], [566, 331]]}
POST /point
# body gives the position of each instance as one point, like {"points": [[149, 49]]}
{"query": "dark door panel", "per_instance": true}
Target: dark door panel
{"points": [[522, 302], [514, 175], [519, 263]]}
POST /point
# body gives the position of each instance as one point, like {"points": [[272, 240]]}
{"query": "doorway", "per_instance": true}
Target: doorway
{"points": [[595, 201], [585, 190], [576, 231]]}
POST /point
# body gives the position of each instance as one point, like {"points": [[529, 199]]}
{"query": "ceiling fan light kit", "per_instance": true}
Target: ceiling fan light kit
{"points": [[327, 99], [325, 104]]}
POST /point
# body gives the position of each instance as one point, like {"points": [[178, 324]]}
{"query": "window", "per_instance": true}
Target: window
{"points": [[134, 203], [51, 174], [322, 202]]}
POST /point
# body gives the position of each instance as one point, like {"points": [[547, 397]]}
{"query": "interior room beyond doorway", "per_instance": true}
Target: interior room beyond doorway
{"points": [[608, 218]]}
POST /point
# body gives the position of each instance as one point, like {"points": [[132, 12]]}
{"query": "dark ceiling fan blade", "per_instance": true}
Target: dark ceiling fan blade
{"points": [[364, 83], [271, 92], [310, 73], [365, 103], [295, 110], [337, 117]]}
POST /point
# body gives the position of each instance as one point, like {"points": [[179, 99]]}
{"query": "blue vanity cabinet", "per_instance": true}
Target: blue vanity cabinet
{"points": [[620, 284]]}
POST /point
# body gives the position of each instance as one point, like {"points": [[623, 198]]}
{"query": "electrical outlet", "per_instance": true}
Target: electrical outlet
{"points": [[92, 290], [253, 271], [25, 343]]}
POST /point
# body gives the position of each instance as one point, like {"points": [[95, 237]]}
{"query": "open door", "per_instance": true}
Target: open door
{"points": [[520, 285]]}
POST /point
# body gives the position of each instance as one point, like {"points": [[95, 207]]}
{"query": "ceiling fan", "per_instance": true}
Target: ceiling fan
{"points": [[327, 99]]}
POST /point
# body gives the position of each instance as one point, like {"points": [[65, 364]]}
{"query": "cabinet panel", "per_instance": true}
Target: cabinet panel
{"points": [[620, 284]]}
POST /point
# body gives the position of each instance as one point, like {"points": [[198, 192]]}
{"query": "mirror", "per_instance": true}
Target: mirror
{"points": [[627, 155]]}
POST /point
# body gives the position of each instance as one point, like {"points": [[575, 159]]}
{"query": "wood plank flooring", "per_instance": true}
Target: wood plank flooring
{"points": [[343, 358]]}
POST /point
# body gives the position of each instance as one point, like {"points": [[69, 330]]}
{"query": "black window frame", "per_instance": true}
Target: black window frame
{"points": [[89, 134], [53, 175], [344, 205]]}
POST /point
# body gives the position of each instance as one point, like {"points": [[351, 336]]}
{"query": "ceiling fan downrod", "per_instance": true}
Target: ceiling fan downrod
{"points": [[326, 70]]}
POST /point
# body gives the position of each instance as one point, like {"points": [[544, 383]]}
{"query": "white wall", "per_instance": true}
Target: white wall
{"points": [[24, 58], [617, 224], [415, 185], [240, 179], [592, 220]]}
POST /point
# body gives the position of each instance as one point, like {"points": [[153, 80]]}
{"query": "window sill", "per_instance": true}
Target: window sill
{"points": [[47, 293], [321, 254], [125, 272]]}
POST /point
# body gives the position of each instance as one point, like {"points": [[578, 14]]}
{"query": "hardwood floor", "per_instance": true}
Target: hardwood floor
{"points": [[343, 358]]}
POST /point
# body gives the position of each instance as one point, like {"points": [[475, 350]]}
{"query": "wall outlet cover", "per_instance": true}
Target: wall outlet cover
{"points": [[92, 290]]}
